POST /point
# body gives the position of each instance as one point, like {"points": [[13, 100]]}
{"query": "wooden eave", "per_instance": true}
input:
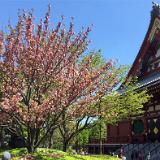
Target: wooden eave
{"points": [[153, 26]]}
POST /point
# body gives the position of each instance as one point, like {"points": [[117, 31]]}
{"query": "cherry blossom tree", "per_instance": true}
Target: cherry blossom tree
{"points": [[43, 75]]}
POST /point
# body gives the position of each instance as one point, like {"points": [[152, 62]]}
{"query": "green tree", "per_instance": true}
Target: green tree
{"points": [[120, 104], [123, 103]]}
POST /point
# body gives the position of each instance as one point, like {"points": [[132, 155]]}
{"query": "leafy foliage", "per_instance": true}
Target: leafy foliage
{"points": [[124, 103]]}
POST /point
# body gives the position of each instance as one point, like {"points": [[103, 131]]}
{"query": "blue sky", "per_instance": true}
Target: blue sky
{"points": [[119, 26]]}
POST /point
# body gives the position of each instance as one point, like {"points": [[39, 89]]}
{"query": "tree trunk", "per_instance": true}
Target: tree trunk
{"points": [[65, 146], [100, 131], [100, 139], [76, 145], [1, 137], [31, 149], [50, 143], [32, 140]]}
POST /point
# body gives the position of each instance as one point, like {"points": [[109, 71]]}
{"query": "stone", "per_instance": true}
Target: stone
{"points": [[6, 156]]}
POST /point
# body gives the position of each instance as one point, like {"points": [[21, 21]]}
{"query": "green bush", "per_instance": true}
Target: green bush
{"points": [[71, 151]]}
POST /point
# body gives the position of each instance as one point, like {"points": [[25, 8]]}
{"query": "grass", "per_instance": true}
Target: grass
{"points": [[51, 154]]}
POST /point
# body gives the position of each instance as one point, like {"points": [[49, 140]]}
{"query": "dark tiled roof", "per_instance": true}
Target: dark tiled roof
{"points": [[150, 80]]}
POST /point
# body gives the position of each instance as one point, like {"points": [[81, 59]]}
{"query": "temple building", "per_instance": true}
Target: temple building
{"points": [[143, 128]]}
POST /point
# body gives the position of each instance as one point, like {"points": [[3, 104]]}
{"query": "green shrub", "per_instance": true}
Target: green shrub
{"points": [[71, 151]]}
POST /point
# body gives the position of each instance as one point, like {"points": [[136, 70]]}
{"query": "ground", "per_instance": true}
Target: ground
{"points": [[50, 154]]}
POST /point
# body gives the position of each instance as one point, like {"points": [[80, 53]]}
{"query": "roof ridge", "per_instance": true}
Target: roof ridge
{"points": [[155, 10]]}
